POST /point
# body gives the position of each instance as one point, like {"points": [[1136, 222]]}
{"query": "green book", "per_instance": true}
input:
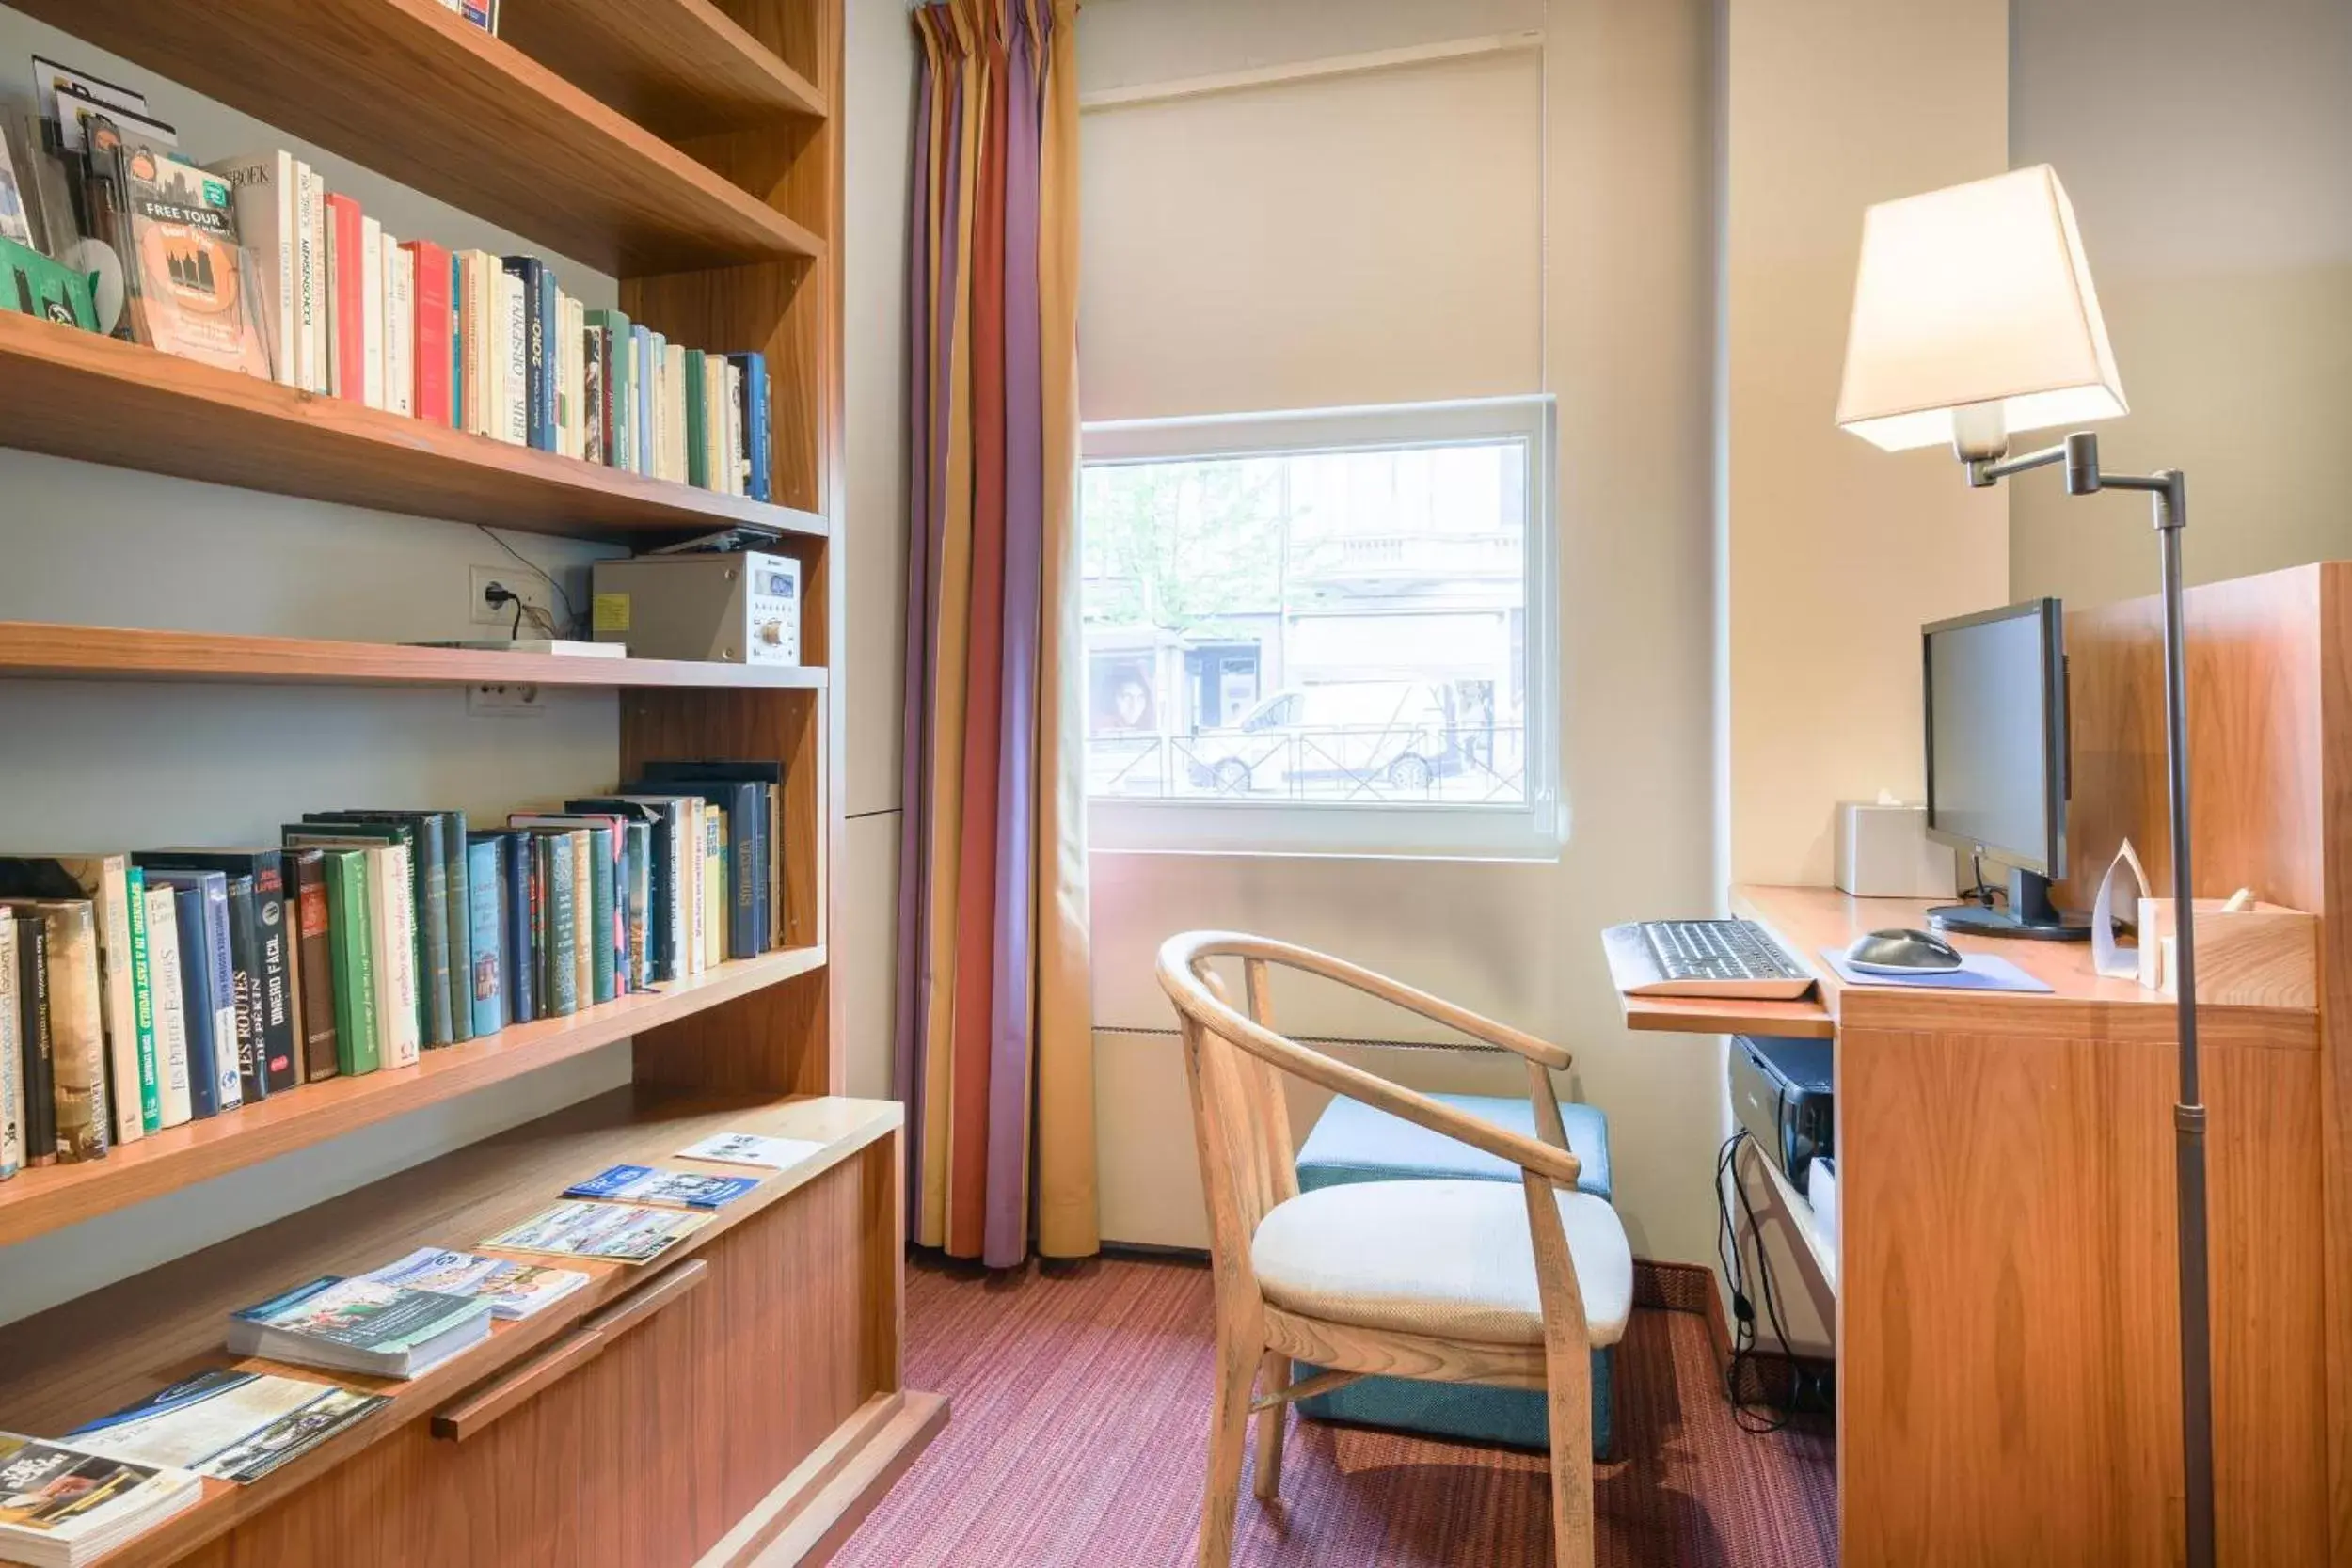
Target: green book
{"points": [[619, 413], [603, 909], [428, 875], [560, 941], [350, 943], [698, 448], [143, 1005]]}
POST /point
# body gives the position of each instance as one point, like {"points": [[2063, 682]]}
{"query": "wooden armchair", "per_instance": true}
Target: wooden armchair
{"points": [[1451, 1281]]}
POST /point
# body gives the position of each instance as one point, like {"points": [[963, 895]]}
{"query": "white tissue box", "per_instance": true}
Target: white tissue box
{"points": [[1884, 852], [1820, 1191]]}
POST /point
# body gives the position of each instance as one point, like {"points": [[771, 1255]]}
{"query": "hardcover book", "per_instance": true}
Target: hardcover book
{"points": [[314, 962], [669, 1189], [346, 331], [486, 880], [359, 1033], [78, 1041], [510, 1289], [206, 987], [233, 1425], [11, 1058], [244, 972], [750, 792], [266, 195], [430, 340], [272, 1002], [758, 431], [104, 881], [360, 1325], [39, 1097], [423, 911], [617, 1232], [62, 1506], [174, 1096]]}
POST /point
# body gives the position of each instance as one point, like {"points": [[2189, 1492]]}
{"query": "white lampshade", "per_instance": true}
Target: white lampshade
{"points": [[1975, 297]]}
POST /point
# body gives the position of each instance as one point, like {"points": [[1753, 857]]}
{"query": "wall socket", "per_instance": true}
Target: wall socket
{"points": [[516, 578], [505, 699]]}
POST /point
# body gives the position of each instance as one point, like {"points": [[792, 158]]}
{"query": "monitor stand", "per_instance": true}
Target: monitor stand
{"points": [[2028, 913]]}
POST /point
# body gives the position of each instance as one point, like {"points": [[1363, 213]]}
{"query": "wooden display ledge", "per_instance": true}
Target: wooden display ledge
{"points": [[101, 1351], [39, 649], [44, 1197], [72, 393]]}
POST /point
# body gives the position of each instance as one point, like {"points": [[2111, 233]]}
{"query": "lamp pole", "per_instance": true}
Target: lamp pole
{"points": [[2080, 453]]}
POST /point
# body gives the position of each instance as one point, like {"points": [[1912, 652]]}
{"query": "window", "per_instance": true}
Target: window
{"points": [[1322, 630]]}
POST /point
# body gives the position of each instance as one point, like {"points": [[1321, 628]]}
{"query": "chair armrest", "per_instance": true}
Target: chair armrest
{"points": [[1395, 992]]}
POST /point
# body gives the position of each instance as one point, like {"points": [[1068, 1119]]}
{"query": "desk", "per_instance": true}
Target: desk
{"points": [[2007, 1315]]}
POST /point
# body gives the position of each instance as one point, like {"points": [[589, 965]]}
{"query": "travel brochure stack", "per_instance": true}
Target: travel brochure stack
{"points": [[249, 264], [66, 1502], [143, 989]]}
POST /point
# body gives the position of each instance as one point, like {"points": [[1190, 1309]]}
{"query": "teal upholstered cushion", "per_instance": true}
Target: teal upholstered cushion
{"points": [[1352, 1141]]}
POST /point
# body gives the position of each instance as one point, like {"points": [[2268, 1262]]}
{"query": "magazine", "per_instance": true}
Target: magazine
{"points": [[237, 1426], [670, 1189], [62, 1506], [619, 1232], [511, 1290], [360, 1325], [185, 276], [751, 1148]]}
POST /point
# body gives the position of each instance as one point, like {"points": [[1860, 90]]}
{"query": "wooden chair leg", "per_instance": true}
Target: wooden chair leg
{"points": [[1228, 1429], [1274, 1376], [1569, 1392]]}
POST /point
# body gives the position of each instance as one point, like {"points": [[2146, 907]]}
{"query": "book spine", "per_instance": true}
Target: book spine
{"points": [[147, 1070], [584, 931], [77, 1031], [372, 309], [697, 404], [428, 871], [351, 921], [516, 976], [698, 888], [773, 844], [198, 1016], [638, 858], [282, 1056], [346, 257], [457, 918], [309, 266], [460, 411], [515, 322], [396, 917], [603, 914], [747, 887], [595, 408], [562, 926], [485, 888], [641, 391], [430, 341], [400, 327], [316, 961], [174, 1102], [244, 973], [266, 200], [119, 999], [11, 1059], [219, 958], [32, 996]]}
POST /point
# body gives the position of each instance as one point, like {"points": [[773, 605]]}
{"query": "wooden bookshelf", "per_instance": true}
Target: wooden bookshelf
{"points": [[678, 68], [722, 1310], [412, 91], [75, 394], [43, 1198], [38, 650]]}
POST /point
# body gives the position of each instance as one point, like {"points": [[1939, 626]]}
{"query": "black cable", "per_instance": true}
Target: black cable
{"points": [[1742, 1308], [571, 616]]}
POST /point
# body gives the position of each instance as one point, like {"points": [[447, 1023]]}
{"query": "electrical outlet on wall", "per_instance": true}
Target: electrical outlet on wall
{"points": [[505, 699], [518, 580]]}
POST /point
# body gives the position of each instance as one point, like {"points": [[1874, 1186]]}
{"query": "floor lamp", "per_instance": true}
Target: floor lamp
{"points": [[1974, 316]]}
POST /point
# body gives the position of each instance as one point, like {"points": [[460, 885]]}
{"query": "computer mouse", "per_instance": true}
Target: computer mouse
{"points": [[1901, 952]]}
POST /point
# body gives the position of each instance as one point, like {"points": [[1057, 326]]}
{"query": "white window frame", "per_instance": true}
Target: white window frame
{"points": [[1534, 828]]}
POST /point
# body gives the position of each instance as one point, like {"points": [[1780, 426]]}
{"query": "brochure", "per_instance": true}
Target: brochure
{"points": [[237, 1426], [620, 1232], [511, 1290], [360, 1325], [670, 1189], [62, 1506], [751, 1148]]}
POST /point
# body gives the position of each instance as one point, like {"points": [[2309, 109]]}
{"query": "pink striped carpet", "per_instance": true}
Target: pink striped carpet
{"points": [[1080, 1416]]}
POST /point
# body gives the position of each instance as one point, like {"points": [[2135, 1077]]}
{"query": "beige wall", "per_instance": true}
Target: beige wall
{"points": [[1834, 551], [1626, 165], [2205, 150]]}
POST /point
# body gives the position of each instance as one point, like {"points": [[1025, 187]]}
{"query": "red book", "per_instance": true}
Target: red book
{"points": [[432, 356], [346, 272]]}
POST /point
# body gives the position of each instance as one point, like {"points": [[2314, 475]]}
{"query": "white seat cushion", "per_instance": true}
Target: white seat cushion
{"points": [[1450, 1259]]}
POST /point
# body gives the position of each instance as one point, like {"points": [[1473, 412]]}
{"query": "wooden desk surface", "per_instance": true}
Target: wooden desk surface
{"points": [[1808, 919]]}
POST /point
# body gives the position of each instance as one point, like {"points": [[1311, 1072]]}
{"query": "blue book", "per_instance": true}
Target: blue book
{"points": [[540, 349], [486, 891], [648, 367], [516, 976], [456, 341], [672, 1189], [207, 987], [756, 436]]}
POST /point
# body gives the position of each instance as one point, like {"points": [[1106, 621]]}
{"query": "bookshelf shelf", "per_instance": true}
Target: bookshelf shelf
{"points": [[43, 1198], [36, 649], [678, 68], [75, 394], [411, 89], [800, 1239]]}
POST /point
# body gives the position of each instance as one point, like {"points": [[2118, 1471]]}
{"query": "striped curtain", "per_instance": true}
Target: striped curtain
{"points": [[995, 1051]]}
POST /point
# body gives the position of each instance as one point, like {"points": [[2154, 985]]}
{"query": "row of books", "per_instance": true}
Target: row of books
{"points": [[142, 990], [68, 1501], [250, 263]]}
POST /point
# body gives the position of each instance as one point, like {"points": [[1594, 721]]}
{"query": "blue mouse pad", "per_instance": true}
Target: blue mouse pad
{"points": [[1977, 972]]}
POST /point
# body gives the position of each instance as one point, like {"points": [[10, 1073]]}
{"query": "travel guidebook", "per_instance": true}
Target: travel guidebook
{"points": [[62, 1506], [237, 1426], [751, 1148], [360, 1325], [511, 1290], [618, 1232], [671, 1189]]}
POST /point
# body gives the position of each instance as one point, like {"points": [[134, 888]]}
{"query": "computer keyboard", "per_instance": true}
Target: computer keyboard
{"points": [[1704, 957]]}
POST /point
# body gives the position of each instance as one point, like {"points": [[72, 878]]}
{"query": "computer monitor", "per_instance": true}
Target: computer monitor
{"points": [[1996, 699]]}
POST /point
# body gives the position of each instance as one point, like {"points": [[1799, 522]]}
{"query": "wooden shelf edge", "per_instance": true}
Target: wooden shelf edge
{"points": [[812, 1514], [743, 84], [41, 1200], [38, 649], [71, 393]]}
